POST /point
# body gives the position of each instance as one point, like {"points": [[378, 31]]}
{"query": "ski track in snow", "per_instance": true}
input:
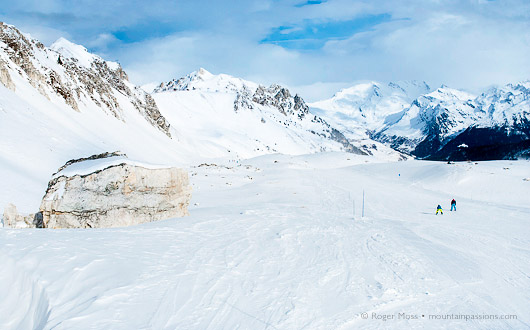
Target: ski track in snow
{"points": [[277, 246]]}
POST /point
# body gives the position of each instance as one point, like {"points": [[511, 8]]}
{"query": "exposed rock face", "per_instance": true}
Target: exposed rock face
{"points": [[12, 219], [280, 98], [115, 196], [76, 76], [243, 99], [5, 78]]}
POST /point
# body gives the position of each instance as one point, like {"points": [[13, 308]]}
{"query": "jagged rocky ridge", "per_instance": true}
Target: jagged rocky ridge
{"points": [[68, 71], [292, 110]]}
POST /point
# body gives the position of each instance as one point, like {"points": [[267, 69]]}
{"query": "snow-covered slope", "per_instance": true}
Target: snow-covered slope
{"points": [[507, 106], [364, 108], [293, 253], [67, 75], [231, 114]]}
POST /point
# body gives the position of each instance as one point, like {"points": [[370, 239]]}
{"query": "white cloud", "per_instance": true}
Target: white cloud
{"points": [[102, 41], [443, 48]]}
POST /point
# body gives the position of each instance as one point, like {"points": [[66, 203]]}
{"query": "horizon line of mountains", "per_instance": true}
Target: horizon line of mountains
{"points": [[408, 117]]}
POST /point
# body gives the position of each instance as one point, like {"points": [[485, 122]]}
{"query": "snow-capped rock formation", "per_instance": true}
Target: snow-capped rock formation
{"points": [[206, 82], [110, 190], [69, 72], [246, 117]]}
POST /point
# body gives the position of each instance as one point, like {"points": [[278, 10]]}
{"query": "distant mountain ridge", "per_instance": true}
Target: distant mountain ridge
{"points": [[453, 125], [444, 124], [365, 107], [69, 77]]}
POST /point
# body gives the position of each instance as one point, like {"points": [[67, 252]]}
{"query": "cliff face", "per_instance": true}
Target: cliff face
{"points": [[115, 196], [68, 72]]}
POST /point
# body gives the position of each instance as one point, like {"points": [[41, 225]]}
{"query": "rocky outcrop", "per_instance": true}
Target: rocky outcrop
{"points": [[114, 193], [243, 99], [280, 98], [76, 76], [5, 77], [12, 219]]}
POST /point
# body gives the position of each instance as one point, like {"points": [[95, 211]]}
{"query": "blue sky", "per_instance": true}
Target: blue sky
{"points": [[313, 46], [313, 34]]}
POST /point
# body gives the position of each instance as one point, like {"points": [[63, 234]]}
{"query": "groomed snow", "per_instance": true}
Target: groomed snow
{"points": [[275, 243]]}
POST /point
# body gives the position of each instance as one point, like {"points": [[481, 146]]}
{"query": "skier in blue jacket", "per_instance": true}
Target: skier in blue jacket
{"points": [[439, 209]]}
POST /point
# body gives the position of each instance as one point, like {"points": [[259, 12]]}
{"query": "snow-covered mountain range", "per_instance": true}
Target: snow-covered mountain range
{"points": [[274, 241], [448, 124], [444, 124], [430, 119]]}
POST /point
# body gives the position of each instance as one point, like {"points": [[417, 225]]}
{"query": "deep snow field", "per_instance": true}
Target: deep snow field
{"points": [[278, 242]]}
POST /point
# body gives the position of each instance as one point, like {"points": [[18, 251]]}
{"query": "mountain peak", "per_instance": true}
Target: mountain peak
{"points": [[361, 90], [202, 80], [445, 92], [69, 49], [202, 72]]}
